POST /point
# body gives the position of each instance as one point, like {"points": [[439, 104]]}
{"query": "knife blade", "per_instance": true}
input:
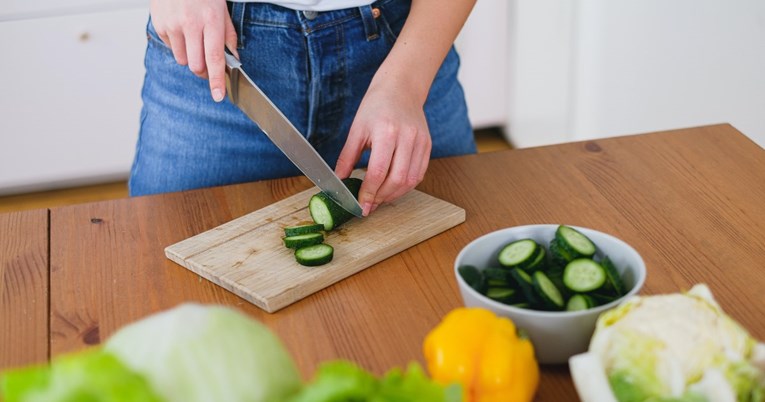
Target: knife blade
{"points": [[243, 92]]}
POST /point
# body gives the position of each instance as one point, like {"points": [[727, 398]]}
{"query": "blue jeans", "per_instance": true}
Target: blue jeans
{"points": [[316, 71]]}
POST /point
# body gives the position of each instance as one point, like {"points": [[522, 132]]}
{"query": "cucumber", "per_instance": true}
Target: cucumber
{"points": [[584, 275], [519, 253], [326, 212], [547, 291], [303, 240], [501, 294], [302, 229], [526, 285], [615, 282], [497, 276], [559, 255], [317, 254], [600, 298], [538, 262], [580, 302], [574, 242], [474, 278]]}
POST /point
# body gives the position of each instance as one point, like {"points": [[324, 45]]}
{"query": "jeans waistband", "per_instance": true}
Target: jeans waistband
{"points": [[268, 14]]}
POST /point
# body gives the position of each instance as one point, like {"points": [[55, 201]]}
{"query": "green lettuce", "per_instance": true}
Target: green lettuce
{"points": [[90, 376], [342, 381]]}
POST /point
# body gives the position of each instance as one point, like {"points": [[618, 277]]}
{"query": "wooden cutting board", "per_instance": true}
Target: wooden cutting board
{"points": [[247, 256]]}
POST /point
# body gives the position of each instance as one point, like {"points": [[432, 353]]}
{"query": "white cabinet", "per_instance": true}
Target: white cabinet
{"points": [[71, 87], [592, 68]]}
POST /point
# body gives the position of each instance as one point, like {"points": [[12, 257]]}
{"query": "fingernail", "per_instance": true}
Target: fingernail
{"points": [[374, 207], [366, 209], [217, 95]]}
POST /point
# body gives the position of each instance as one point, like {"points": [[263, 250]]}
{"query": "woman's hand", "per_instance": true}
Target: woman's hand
{"points": [[391, 122], [197, 31]]}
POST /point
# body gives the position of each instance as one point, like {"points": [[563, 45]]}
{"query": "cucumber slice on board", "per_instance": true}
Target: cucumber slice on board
{"points": [[302, 229], [303, 240], [326, 212], [315, 255]]}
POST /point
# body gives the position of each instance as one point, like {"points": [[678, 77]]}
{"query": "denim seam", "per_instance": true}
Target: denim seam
{"points": [[299, 27], [247, 21]]}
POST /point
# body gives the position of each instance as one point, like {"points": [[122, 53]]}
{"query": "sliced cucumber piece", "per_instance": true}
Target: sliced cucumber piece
{"points": [[573, 241], [584, 275], [317, 254], [614, 280], [580, 302], [519, 253], [326, 212], [497, 276], [303, 229], [501, 294], [559, 255], [497, 283], [526, 285], [474, 278], [602, 298], [303, 240], [538, 262], [547, 291]]}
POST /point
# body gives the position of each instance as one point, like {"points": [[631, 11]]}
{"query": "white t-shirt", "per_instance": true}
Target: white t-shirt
{"points": [[313, 5]]}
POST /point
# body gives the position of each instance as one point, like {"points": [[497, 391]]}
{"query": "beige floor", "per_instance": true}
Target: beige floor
{"points": [[487, 140]]}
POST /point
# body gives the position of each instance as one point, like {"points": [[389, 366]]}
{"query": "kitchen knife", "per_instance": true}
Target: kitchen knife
{"points": [[257, 106]]}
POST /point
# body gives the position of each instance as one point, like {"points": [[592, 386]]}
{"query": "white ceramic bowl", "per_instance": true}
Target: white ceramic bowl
{"points": [[556, 335]]}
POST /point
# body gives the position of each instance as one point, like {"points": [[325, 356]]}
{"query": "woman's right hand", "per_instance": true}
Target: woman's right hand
{"points": [[197, 31]]}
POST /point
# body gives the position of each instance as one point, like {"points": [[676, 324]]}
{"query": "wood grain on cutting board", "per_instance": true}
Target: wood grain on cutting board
{"points": [[247, 255]]}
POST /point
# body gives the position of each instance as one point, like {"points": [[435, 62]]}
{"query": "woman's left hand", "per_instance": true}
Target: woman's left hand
{"points": [[391, 122]]}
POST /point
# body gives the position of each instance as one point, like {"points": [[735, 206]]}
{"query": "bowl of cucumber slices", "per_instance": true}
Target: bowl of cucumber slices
{"points": [[552, 280]]}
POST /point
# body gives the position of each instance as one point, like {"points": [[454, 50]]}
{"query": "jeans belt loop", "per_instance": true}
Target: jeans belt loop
{"points": [[370, 25]]}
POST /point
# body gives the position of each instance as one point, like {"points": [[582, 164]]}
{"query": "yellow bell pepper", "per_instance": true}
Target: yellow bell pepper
{"points": [[483, 353]]}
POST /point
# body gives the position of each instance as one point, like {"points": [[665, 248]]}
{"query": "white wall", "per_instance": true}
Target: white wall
{"points": [[594, 68], [483, 49]]}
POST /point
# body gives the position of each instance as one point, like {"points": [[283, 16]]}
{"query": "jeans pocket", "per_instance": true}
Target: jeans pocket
{"points": [[153, 36]]}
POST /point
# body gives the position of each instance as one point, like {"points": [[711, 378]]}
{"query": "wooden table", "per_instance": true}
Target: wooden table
{"points": [[691, 201]]}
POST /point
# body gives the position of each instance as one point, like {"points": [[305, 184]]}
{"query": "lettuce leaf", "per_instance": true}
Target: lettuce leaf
{"points": [[343, 381], [89, 376]]}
